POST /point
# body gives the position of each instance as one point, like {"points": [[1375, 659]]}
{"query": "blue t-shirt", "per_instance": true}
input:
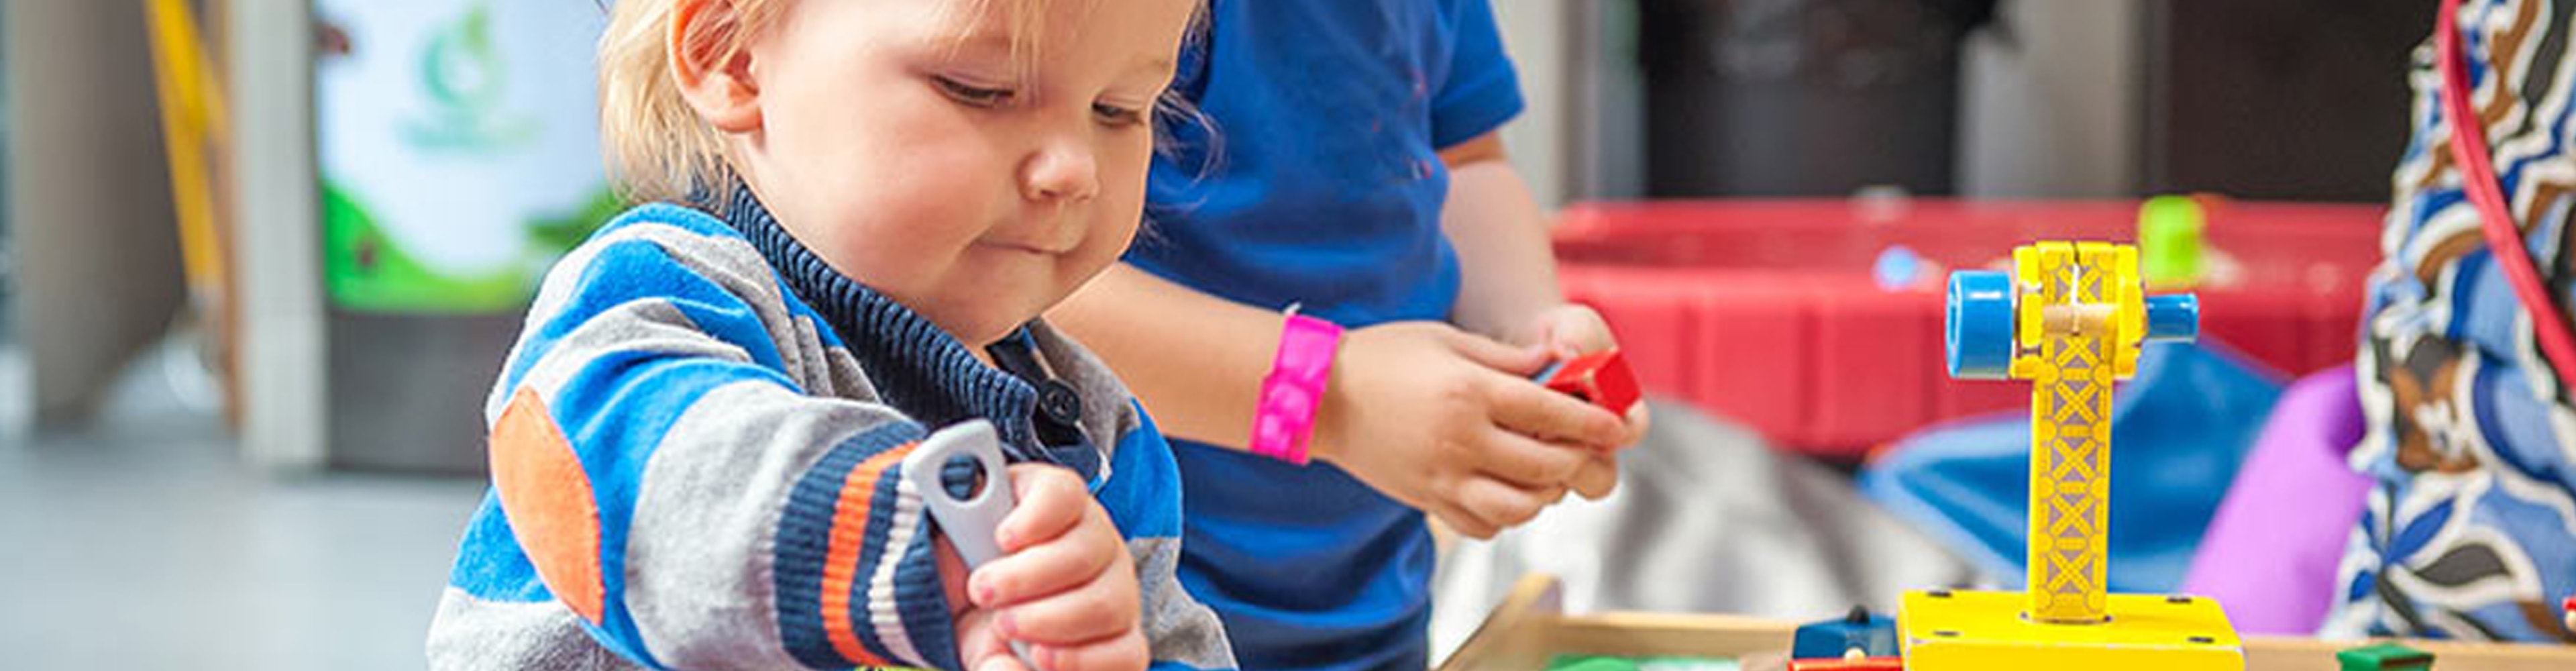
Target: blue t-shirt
{"points": [[1322, 186]]}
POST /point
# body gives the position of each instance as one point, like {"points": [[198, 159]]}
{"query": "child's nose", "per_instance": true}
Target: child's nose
{"points": [[1060, 170]]}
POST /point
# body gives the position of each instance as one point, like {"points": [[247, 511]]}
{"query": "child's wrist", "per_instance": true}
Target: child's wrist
{"points": [[1292, 394], [1331, 407]]}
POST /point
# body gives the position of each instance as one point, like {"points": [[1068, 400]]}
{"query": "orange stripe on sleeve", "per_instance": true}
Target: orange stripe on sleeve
{"points": [[841, 567]]}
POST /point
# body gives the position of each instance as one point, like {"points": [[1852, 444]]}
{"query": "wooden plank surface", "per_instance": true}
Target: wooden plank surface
{"points": [[1528, 629]]}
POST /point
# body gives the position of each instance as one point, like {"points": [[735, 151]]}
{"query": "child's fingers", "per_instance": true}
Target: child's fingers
{"points": [[1125, 652], [1528, 462], [1598, 476], [1053, 566], [1545, 414], [1104, 607], [1504, 506], [1577, 328], [1459, 520], [1490, 353], [1639, 421], [978, 642], [1047, 501]]}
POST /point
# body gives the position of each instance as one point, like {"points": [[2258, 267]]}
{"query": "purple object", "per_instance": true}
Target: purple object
{"points": [[2272, 549]]}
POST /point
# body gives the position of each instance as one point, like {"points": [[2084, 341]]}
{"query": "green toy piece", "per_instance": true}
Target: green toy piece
{"points": [[1616, 663], [2169, 241], [1591, 663], [2384, 657]]}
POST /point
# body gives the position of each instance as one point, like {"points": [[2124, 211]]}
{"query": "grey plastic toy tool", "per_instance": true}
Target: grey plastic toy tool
{"points": [[964, 483]]}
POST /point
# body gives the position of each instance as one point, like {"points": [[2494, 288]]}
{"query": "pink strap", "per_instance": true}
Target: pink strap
{"points": [[2478, 180], [1285, 419]]}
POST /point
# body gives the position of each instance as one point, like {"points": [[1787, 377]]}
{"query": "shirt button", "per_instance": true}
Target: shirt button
{"points": [[1060, 404]]}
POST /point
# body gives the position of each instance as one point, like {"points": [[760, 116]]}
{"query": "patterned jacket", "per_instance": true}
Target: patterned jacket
{"points": [[2470, 531]]}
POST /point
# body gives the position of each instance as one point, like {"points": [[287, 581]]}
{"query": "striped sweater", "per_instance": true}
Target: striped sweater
{"points": [[695, 451]]}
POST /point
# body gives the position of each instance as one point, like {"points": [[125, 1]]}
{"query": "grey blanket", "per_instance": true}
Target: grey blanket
{"points": [[1707, 518]]}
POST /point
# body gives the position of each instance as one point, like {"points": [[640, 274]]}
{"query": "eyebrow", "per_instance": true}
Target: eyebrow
{"points": [[999, 43], [979, 41]]}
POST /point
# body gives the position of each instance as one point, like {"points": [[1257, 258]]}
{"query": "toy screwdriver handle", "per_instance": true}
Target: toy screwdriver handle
{"points": [[964, 484]]}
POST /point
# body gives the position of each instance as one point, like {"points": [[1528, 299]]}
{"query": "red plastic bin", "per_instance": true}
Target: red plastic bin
{"points": [[1765, 311]]}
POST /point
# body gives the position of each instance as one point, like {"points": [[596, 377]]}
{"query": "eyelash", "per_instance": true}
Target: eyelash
{"points": [[975, 96], [989, 98], [1118, 116]]}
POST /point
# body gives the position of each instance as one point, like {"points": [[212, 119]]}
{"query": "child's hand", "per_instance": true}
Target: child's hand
{"points": [[1448, 422], [1064, 586], [1572, 330]]}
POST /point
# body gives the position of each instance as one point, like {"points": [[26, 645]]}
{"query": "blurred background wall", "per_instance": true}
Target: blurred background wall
{"points": [[89, 219], [2296, 99]]}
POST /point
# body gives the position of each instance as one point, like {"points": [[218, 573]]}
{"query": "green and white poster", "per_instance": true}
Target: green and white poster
{"points": [[459, 149]]}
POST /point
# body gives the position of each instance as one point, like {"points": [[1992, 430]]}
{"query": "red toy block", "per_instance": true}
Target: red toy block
{"points": [[1600, 377], [1849, 664]]}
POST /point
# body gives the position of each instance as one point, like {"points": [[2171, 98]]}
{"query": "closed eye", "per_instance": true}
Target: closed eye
{"points": [[1115, 116], [974, 96]]}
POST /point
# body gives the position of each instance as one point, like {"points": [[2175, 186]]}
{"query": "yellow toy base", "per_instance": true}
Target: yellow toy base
{"points": [[1963, 630]]}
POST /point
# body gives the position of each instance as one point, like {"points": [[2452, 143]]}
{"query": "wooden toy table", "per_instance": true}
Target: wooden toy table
{"points": [[1529, 628]]}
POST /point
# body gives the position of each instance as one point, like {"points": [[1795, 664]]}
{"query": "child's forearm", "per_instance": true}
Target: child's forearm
{"points": [[690, 502], [751, 503], [1201, 375], [1507, 272], [1194, 360]]}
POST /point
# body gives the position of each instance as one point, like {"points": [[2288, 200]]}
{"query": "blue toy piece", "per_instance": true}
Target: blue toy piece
{"points": [[1873, 635], [2173, 317], [1977, 327]]}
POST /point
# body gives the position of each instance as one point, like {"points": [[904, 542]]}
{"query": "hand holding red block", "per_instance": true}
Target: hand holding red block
{"points": [[1601, 377]]}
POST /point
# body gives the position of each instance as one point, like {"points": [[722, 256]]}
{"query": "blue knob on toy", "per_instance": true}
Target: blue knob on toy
{"points": [[1977, 327], [2173, 317], [1896, 268]]}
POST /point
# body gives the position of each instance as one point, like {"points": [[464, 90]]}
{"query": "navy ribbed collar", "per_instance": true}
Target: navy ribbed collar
{"points": [[915, 366]]}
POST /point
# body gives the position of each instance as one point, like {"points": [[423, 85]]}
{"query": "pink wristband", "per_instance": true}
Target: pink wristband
{"points": [[1285, 419]]}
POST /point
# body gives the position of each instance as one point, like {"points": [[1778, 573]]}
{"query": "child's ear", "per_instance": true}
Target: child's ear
{"points": [[714, 76]]}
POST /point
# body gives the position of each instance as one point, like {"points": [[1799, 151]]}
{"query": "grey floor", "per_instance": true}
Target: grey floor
{"points": [[141, 542]]}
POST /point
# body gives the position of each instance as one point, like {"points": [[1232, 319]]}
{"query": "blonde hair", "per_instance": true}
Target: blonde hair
{"points": [[656, 146]]}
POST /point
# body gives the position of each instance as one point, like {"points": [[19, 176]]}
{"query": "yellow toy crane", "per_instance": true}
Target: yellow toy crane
{"points": [[2069, 318]]}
